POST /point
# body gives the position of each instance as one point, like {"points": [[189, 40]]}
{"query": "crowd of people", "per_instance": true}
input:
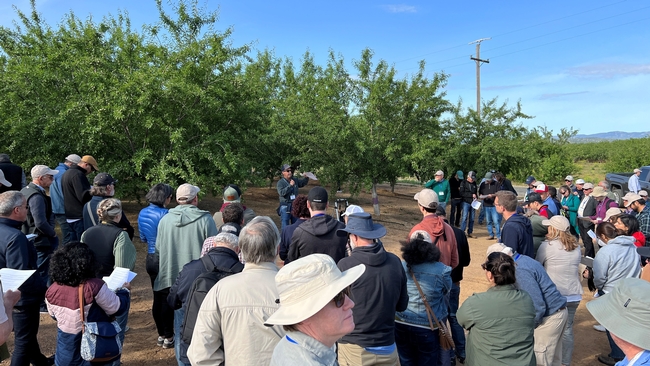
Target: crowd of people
{"points": [[338, 296]]}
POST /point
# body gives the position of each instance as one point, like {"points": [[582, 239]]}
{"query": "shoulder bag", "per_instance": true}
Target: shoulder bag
{"points": [[446, 342], [100, 341]]}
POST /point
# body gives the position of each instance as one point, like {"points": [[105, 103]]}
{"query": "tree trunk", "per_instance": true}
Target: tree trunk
{"points": [[375, 199]]}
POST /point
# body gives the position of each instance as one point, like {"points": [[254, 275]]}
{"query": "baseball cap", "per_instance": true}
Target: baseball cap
{"points": [[643, 193], [488, 175], [533, 197], [231, 194], [285, 167], [103, 179], [426, 198], [558, 221], [317, 194], [73, 158], [186, 192], [88, 159], [41, 170], [541, 188], [580, 181], [530, 179], [440, 172], [569, 178], [459, 174], [637, 170], [588, 186], [352, 209]]}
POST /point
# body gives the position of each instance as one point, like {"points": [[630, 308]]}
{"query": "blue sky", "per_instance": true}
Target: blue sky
{"points": [[580, 64]]}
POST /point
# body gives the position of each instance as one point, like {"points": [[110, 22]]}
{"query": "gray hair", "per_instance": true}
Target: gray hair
{"points": [[101, 191], [604, 184], [10, 200], [259, 240], [228, 239], [109, 209]]}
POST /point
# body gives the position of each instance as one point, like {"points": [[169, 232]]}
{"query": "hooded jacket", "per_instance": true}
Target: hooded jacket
{"points": [[615, 261], [436, 227], [377, 294], [517, 233], [318, 235], [179, 240], [55, 190]]}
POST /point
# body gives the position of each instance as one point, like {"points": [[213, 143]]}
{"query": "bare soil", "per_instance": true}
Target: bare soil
{"points": [[398, 214]]}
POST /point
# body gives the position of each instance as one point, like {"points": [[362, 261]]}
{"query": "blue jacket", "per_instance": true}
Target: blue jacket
{"points": [[285, 239], [56, 193], [532, 278], [435, 280], [517, 233], [16, 252], [148, 220]]}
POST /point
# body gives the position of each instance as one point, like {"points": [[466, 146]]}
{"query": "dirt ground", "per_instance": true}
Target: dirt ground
{"points": [[398, 214]]}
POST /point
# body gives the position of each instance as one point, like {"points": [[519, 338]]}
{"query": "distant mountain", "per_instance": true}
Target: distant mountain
{"points": [[609, 136]]}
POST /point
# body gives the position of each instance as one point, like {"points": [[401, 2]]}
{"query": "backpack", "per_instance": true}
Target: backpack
{"points": [[200, 288]]}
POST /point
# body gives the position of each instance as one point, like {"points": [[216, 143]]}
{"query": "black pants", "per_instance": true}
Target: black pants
{"points": [[456, 211], [26, 349], [163, 314], [587, 241]]}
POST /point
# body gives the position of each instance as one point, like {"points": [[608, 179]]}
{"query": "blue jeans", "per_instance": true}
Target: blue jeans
{"points": [[468, 218], [43, 263], [456, 210], [285, 215], [76, 229], [481, 215], [443, 205], [26, 349], [457, 332], [178, 323], [65, 228], [493, 221], [417, 346], [121, 320], [567, 336], [616, 353]]}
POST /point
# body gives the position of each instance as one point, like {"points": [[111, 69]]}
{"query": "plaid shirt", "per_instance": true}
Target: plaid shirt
{"points": [[644, 223]]}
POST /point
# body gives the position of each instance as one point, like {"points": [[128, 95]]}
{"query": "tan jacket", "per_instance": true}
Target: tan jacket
{"points": [[230, 325]]}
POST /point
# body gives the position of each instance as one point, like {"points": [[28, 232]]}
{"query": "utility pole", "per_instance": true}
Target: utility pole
{"points": [[478, 72]]}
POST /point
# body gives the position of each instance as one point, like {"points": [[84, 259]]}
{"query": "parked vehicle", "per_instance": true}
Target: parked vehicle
{"points": [[618, 181]]}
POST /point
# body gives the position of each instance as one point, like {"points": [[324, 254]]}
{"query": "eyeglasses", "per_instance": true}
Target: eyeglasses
{"points": [[289, 171], [339, 299]]}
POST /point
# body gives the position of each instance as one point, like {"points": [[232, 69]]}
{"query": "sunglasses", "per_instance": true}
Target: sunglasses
{"points": [[339, 299]]}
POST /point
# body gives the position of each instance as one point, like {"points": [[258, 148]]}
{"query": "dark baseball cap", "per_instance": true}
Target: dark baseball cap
{"points": [[317, 194], [533, 197], [103, 179]]}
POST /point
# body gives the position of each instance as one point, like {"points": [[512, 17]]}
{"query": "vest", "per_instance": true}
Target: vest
{"points": [[14, 174], [101, 239], [29, 226]]}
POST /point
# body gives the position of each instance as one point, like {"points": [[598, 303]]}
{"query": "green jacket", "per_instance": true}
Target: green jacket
{"points": [[500, 322], [539, 230], [179, 240], [441, 188]]}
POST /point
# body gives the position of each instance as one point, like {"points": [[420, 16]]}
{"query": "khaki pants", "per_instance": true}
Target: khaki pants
{"points": [[548, 339], [353, 355]]}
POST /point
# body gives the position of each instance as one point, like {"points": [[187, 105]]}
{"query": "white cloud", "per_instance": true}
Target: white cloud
{"points": [[609, 70], [560, 95], [400, 8]]}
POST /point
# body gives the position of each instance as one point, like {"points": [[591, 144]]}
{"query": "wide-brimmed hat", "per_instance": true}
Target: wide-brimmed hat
{"points": [[361, 224], [306, 285], [558, 221], [598, 192], [352, 209], [4, 182], [632, 198], [625, 311]]}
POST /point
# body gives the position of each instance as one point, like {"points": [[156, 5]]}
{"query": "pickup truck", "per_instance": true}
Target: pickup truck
{"points": [[618, 181]]}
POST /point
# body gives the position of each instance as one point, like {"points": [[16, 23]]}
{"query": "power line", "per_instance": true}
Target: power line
{"points": [[509, 32]]}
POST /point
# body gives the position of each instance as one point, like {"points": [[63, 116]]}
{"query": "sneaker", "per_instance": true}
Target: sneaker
{"points": [[471, 236], [490, 238], [608, 360], [168, 343], [161, 341], [599, 328]]}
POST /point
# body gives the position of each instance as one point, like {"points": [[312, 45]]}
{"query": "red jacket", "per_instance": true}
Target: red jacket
{"points": [[435, 226]]}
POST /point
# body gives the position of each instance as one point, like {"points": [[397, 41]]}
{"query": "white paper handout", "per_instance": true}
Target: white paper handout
{"points": [[31, 236], [476, 204], [310, 175], [13, 278], [118, 278]]}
